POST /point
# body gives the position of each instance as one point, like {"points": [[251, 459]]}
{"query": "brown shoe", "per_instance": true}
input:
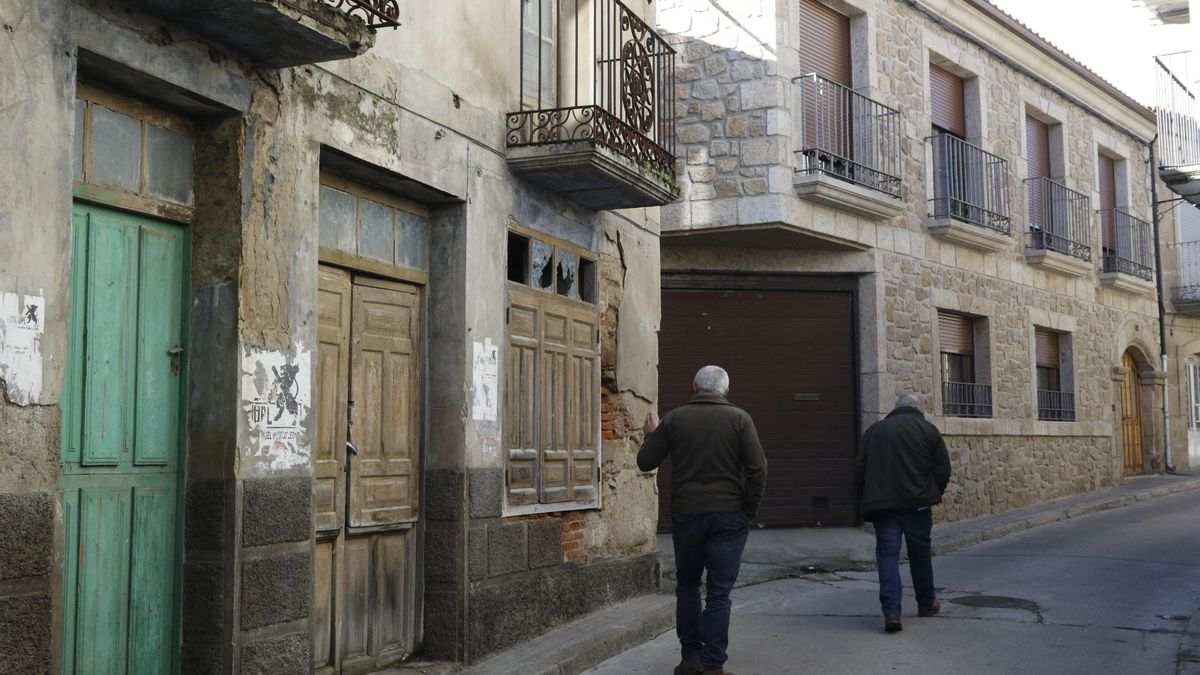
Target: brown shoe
{"points": [[930, 610], [891, 623], [692, 667]]}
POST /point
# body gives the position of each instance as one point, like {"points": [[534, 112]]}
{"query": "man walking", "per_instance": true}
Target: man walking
{"points": [[901, 471], [717, 476]]}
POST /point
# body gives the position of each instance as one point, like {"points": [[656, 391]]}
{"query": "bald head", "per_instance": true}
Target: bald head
{"points": [[711, 380], [908, 400]]}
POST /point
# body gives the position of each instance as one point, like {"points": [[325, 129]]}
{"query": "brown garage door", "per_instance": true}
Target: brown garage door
{"points": [[790, 360]]}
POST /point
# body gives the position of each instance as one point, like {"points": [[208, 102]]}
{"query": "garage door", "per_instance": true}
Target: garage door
{"points": [[790, 357]]}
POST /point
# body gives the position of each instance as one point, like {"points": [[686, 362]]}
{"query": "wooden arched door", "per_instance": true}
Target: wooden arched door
{"points": [[1131, 418]]}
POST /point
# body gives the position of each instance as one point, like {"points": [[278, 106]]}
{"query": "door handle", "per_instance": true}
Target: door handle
{"points": [[174, 353], [352, 448]]}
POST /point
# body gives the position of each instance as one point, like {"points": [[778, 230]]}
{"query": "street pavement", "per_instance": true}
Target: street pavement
{"points": [[1110, 592]]}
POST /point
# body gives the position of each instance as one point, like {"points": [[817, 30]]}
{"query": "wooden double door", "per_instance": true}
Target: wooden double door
{"points": [[367, 472]]}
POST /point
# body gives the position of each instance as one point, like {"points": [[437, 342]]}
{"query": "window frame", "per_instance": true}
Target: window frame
{"points": [[360, 262], [536, 101], [1193, 377]]}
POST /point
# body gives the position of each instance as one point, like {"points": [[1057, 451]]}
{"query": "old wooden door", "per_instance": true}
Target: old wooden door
{"points": [[1131, 418], [122, 444], [367, 471]]}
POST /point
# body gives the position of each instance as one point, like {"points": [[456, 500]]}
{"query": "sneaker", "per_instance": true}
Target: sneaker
{"points": [[930, 610], [689, 667], [891, 623]]}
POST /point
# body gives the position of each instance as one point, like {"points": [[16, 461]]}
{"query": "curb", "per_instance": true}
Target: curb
{"points": [[1188, 661]]}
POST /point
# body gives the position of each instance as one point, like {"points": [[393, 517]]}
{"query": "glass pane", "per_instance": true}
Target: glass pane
{"points": [[169, 165], [412, 240], [547, 18], [567, 274], [376, 238], [529, 66], [547, 64], [543, 275], [116, 150], [337, 220], [77, 145]]}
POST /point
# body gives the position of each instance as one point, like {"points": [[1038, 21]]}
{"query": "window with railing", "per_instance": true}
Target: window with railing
{"points": [[1055, 400], [1177, 112], [848, 136], [964, 393], [969, 184], [1188, 287], [1127, 244], [595, 71], [1059, 218]]}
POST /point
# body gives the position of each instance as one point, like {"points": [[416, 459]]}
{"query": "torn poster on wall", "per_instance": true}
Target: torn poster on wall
{"points": [[22, 321], [485, 379], [276, 400]]}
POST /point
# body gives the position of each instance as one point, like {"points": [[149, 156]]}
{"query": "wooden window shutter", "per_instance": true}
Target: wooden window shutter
{"points": [[1037, 147], [956, 333], [824, 42], [1046, 347], [946, 100]]}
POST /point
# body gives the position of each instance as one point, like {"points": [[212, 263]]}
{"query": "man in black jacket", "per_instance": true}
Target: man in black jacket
{"points": [[717, 475], [901, 471]]}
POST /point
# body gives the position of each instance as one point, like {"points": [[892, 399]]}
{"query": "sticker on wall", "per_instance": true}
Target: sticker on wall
{"points": [[22, 321], [486, 375], [275, 398]]}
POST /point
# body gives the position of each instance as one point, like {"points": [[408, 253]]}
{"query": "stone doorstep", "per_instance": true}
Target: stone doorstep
{"points": [[1189, 648], [586, 642]]}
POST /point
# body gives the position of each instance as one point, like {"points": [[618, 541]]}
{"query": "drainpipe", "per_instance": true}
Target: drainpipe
{"points": [[1155, 218]]}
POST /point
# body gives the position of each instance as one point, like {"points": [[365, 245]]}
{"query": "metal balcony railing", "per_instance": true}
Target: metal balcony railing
{"points": [[1127, 244], [375, 13], [1177, 111], [615, 86], [970, 184], [1188, 288], [1056, 406], [1059, 218], [966, 399], [848, 136]]}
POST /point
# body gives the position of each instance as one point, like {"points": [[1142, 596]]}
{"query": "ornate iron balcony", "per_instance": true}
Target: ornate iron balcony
{"points": [[1058, 218], [375, 13], [1128, 244], [969, 184]]}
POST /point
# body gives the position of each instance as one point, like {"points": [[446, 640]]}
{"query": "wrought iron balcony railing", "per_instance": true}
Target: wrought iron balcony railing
{"points": [[970, 184], [375, 13], [1188, 288], [615, 86], [1059, 218], [1127, 244], [1178, 113], [848, 136], [1056, 406], [966, 399]]}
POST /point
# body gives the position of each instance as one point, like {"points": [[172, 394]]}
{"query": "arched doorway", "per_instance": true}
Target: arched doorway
{"points": [[1131, 417]]}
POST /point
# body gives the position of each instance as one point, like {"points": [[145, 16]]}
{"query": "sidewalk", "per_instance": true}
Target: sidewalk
{"points": [[776, 554]]}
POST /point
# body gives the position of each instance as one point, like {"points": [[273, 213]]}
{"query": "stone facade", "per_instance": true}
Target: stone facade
{"points": [[740, 130]]}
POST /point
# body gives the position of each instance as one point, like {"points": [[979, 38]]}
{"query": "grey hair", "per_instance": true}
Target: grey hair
{"points": [[908, 400], [712, 380]]}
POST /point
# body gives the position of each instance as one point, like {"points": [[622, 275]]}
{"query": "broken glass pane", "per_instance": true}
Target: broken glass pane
{"points": [[169, 165], [543, 273], [376, 236], [77, 145], [116, 151], [566, 278], [412, 240], [337, 220]]}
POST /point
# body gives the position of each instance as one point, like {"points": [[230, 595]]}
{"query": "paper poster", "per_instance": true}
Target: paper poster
{"points": [[485, 378], [22, 321], [276, 398]]}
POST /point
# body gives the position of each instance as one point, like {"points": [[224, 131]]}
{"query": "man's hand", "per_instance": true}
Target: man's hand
{"points": [[651, 423]]}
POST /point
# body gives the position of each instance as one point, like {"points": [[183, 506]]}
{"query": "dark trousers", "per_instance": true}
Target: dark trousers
{"points": [[711, 542], [915, 525]]}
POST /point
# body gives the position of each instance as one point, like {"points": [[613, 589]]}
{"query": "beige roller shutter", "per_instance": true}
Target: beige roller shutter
{"points": [[946, 100], [956, 333], [1037, 147], [824, 42], [1046, 345]]}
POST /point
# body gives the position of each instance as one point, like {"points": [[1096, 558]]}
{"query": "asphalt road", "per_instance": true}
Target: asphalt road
{"points": [[1106, 593]]}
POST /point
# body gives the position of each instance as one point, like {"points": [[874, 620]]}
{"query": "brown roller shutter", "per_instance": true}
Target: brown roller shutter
{"points": [[824, 42], [1037, 147], [946, 100], [956, 333], [1108, 199], [1046, 345]]}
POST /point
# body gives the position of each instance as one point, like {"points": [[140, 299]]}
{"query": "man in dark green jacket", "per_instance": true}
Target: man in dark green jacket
{"points": [[717, 475], [901, 471]]}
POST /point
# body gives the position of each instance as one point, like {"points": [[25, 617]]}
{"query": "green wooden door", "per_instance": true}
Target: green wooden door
{"points": [[122, 435]]}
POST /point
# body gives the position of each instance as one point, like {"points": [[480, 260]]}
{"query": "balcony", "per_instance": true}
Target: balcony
{"points": [[282, 33], [966, 399], [970, 187], [849, 156], [597, 118], [1178, 127], [1056, 406], [1186, 294], [1059, 227], [1128, 251]]}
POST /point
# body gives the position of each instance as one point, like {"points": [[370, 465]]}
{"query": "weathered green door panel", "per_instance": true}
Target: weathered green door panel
{"points": [[122, 423]]}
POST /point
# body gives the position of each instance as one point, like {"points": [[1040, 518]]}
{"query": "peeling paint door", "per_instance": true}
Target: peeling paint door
{"points": [[367, 471], [123, 409]]}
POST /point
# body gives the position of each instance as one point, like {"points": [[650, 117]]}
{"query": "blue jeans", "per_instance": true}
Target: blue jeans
{"points": [[915, 525], [712, 542]]}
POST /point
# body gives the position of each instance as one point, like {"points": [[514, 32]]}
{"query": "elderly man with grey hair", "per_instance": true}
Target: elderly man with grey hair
{"points": [[901, 471], [717, 475]]}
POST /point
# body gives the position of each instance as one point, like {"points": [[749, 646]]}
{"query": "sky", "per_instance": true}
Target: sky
{"points": [[1112, 37]]}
